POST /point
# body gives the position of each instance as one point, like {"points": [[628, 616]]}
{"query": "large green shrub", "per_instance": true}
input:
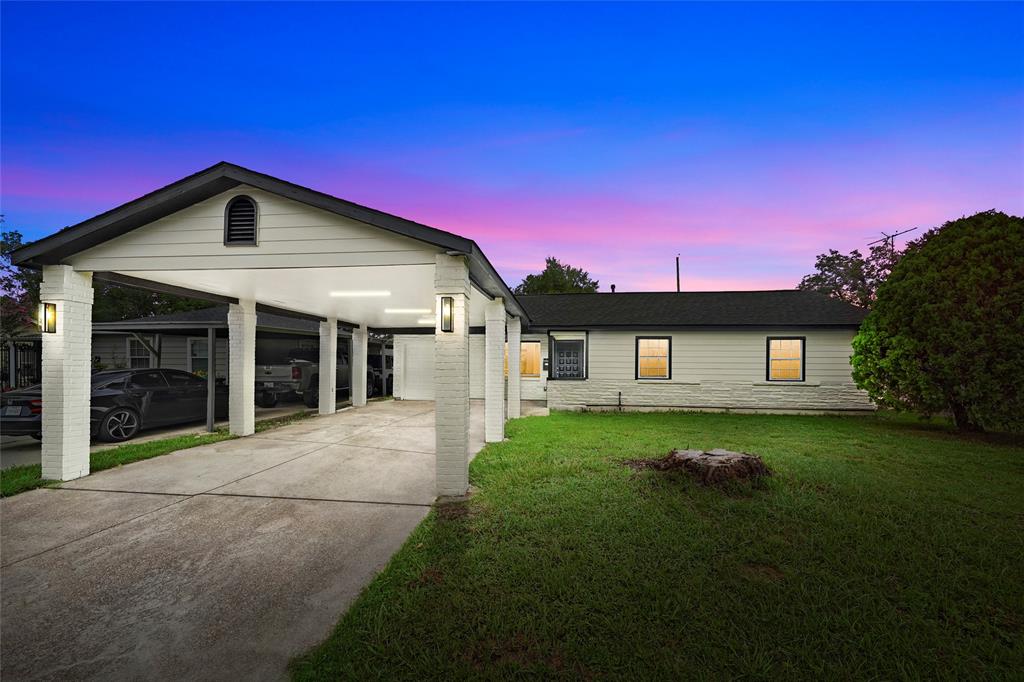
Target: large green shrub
{"points": [[946, 333]]}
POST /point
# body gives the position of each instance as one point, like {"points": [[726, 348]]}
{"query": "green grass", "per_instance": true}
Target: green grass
{"points": [[880, 548], [22, 478]]}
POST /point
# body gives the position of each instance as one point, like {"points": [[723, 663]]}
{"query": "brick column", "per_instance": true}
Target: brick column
{"points": [[67, 371], [242, 367], [494, 372], [451, 378], [514, 341], [357, 361], [328, 367]]}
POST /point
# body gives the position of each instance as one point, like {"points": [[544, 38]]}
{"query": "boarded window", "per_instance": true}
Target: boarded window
{"points": [[653, 357], [529, 359], [785, 359], [240, 222]]}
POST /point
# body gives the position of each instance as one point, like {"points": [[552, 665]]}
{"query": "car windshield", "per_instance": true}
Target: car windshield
{"points": [[105, 378]]}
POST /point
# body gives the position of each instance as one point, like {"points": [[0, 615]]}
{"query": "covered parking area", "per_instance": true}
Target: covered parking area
{"points": [[257, 243]]}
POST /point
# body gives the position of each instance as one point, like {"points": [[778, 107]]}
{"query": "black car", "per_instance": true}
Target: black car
{"points": [[124, 401]]}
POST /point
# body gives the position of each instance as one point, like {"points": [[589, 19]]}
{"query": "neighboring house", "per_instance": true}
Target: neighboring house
{"points": [[771, 351], [179, 341]]}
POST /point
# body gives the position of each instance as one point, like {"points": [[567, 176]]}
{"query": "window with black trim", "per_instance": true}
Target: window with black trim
{"points": [[569, 361], [240, 221], [653, 357], [785, 358]]}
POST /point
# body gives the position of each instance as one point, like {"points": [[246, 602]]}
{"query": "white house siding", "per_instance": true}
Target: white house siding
{"points": [[416, 382], [714, 370], [111, 352], [290, 234]]}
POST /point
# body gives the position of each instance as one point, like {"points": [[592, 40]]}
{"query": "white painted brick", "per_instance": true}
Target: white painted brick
{"points": [[514, 331], [360, 348], [708, 395], [67, 370], [494, 371], [242, 368], [328, 366], [451, 379]]}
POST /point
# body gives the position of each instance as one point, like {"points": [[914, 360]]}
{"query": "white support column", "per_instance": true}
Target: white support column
{"points": [[494, 372], [451, 378], [360, 346], [328, 366], [514, 367], [242, 367], [67, 368]]}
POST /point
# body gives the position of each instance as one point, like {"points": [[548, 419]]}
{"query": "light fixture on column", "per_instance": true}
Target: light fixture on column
{"points": [[48, 318], [447, 314]]}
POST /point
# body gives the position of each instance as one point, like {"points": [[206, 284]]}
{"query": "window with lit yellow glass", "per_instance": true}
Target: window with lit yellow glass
{"points": [[653, 357], [529, 359], [785, 359]]}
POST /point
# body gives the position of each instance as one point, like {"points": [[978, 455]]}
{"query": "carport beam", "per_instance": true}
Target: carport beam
{"points": [[211, 377], [357, 362], [242, 367], [328, 366], [494, 371], [514, 368]]}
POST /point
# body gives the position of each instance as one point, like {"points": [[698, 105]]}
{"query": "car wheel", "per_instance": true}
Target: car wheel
{"points": [[311, 396], [120, 424]]}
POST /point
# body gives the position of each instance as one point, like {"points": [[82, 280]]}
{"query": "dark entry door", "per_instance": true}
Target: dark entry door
{"points": [[568, 360]]}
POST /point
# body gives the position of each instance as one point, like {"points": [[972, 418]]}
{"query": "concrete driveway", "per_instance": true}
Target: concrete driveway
{"points": [[216, 562]]}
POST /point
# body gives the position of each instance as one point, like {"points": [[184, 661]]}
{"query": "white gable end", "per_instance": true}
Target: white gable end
{"points": [[289, 234]]}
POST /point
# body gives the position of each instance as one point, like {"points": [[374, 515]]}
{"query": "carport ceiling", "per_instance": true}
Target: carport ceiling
{"points": [[348, 293]]}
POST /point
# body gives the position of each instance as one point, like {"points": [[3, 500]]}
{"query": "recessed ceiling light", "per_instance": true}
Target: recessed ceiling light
{"points": [[359, 294], [411, 311]]}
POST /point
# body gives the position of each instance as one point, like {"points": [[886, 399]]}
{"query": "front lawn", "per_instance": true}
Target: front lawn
{"points": [[881, 548]]}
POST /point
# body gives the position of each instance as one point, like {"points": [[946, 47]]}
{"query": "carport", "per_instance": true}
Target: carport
{"points": [[257, 243]]}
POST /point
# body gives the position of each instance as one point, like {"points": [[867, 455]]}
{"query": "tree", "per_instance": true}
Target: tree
{"points": [[19, 288], [557, 278], [112, 303], [852, 278], [946, 332]]}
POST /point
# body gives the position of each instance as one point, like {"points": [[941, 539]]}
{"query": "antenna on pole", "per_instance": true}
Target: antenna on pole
{"points": [[890, 239], [677, 273]]}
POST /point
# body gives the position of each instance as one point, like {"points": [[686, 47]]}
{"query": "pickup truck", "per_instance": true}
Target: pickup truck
{"points": [[301, 378]]}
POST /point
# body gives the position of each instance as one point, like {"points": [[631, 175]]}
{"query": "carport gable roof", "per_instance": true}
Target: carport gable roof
{"points": [[781, 309], [224, 176]]}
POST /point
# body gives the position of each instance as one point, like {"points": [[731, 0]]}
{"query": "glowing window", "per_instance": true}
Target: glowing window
{"points": [[653, 357], [785, 359], [529, 359]]}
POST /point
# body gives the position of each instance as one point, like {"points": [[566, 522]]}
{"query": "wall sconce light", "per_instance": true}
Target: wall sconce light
{"points": [[447, 314], [48, 318]]}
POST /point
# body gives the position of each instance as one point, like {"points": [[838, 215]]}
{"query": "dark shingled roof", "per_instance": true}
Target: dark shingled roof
{"points": [[644, 310], [216, 315]]}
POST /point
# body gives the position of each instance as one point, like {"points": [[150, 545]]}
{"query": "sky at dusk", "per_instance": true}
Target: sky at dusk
{"points": [[746, 137]]}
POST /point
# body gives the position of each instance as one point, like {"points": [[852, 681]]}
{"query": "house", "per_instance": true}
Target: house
{"points": [[259, 244], [770, 351]]}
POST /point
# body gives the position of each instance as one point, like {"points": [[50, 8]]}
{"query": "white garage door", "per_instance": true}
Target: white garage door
{"points": [[418, 365]]}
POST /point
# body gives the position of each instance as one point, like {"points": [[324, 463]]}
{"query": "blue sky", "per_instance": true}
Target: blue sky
{"points": [[748, 137]]}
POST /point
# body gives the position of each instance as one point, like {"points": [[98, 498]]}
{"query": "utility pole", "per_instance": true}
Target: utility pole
{"points": [[890, 239], [677, 273]]}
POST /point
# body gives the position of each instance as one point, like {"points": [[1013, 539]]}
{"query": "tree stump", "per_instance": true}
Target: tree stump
{"points": [[709, 467]]}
